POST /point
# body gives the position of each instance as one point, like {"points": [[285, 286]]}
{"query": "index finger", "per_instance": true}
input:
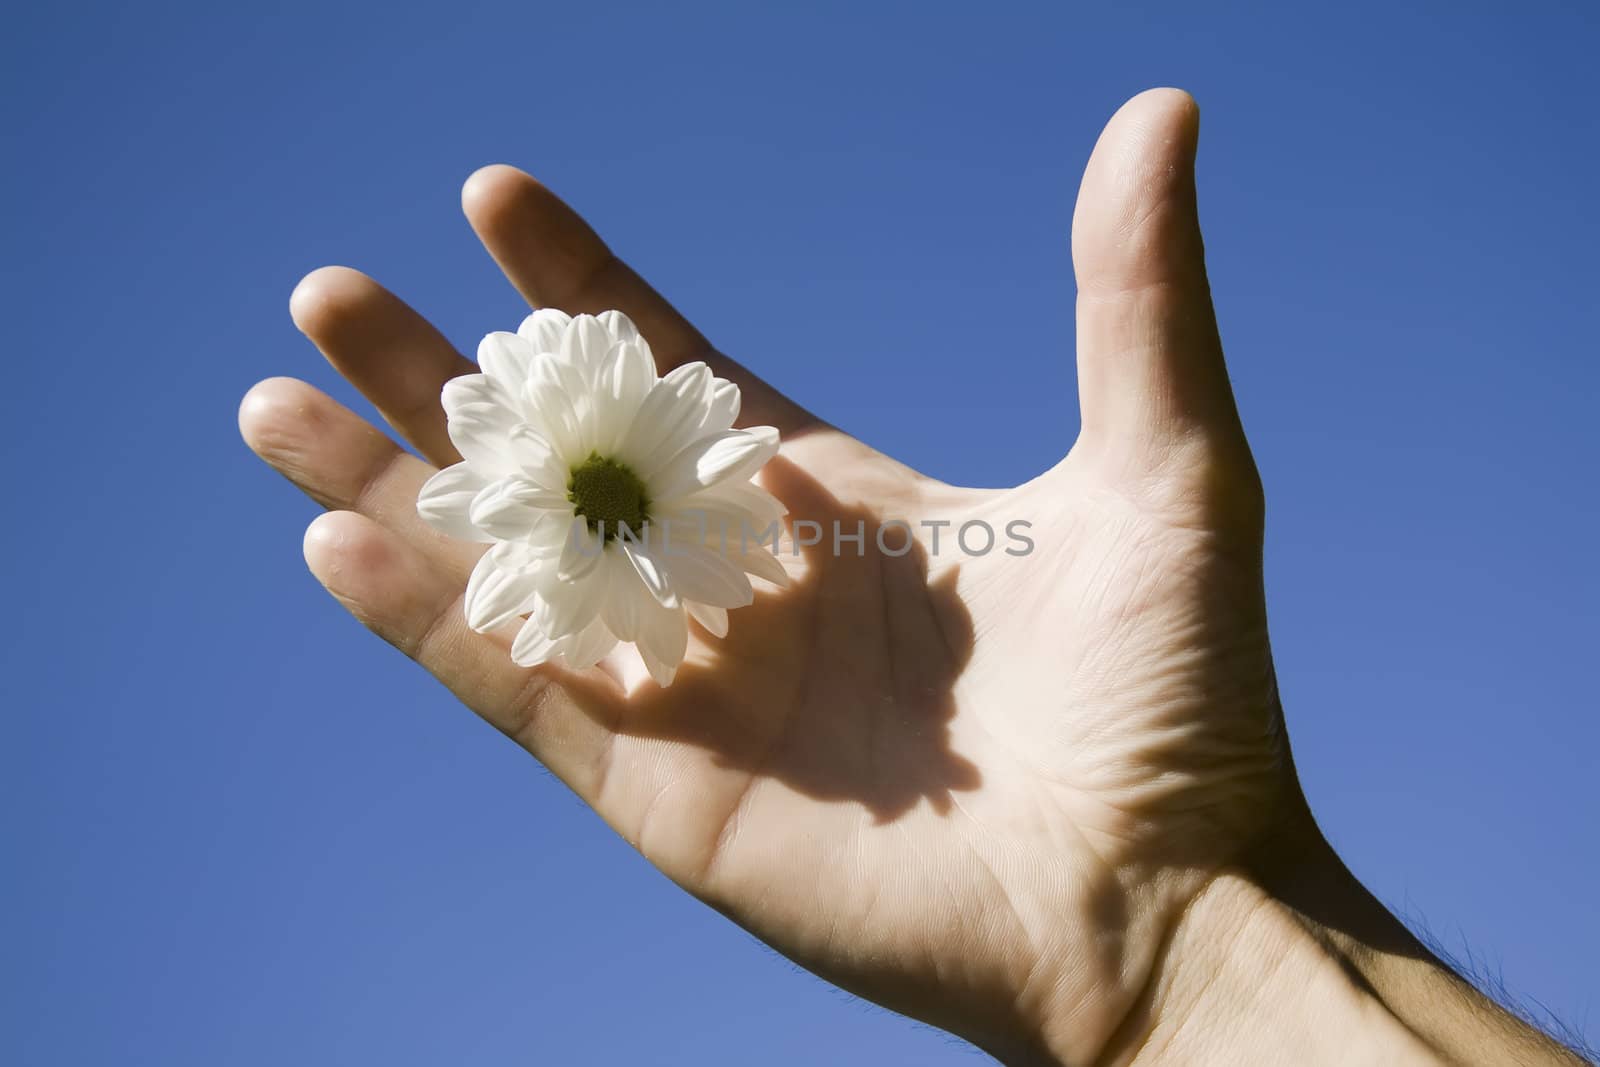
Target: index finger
{"points": [[555, 259]]}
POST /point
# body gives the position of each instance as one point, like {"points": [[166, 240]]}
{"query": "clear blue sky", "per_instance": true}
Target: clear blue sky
{"points": [[239, 829]]}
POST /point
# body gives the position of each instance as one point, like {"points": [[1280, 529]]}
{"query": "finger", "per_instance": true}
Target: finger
{"points": [[1150, 366], [388, 351], [556, 260], [384, 581], [344, 463]]}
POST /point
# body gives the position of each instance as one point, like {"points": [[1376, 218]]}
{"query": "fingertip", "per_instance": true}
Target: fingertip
{"points": [[338, 541], [1172, 109], [1135, 222], [321, 542], [544, 247], [269, 408], [494, 190], [326, 296], [1158, 129]]}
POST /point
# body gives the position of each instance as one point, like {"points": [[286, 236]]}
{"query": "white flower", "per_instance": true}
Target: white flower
{"points": [[617, 503]]}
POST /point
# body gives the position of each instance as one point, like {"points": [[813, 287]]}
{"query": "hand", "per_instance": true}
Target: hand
{"points": [[988, 791]]}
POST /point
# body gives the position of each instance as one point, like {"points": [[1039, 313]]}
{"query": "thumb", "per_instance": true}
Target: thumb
{"points": [[1151, 379]]}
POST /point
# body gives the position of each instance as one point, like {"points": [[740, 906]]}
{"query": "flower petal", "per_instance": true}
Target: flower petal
{"points": [[495, 596], [543, 329], [549, 395], [649, 571], [585, 648], [724, 406], [538, 459], [624, 593], [584, 344], [567, 605], [479, 428], [670, 413], [624, 380], [619, 326], [523, 557], [516, 509], [532, 646], [468, 390], [663, 640], [715, 620], [581, 552], [445, 502], [722, 520], [769, 441], [732, 455], [759, 562], [731, 498], [505, 359], [697, 573]]}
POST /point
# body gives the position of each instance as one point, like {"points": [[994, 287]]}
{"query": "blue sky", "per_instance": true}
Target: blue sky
{"points": [[240, 829]]}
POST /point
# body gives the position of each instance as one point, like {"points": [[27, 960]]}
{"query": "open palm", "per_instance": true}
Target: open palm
{"points": [[976, 788]]}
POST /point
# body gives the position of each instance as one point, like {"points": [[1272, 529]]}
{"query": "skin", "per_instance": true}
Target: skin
{"points": [[1045, 802]]}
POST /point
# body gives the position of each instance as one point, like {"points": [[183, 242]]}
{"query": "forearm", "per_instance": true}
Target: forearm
{"points": [[1295, 962]]}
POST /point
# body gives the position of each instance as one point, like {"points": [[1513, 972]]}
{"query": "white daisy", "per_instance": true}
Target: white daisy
{"points": [[617, 503]]}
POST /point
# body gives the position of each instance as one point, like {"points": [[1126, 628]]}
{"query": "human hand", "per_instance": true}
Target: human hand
{"points": [[985, 790]]}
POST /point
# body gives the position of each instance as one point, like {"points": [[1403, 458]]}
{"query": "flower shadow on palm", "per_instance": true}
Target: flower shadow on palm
{"points": [[841, 686]]}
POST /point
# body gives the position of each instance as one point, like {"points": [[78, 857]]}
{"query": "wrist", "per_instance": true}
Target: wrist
{"points": [[1244, 978], [1287, 958]]}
